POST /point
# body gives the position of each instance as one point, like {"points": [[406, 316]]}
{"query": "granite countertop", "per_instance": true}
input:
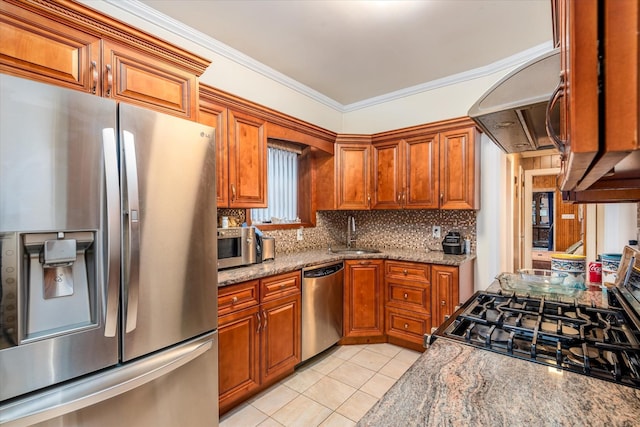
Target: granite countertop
{"points": [[455, 384], [295, 261]]}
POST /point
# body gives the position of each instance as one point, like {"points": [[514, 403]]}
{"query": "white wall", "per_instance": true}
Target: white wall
{"points": [[490, 221], [619, 226], [442, 103], [230, 75]]}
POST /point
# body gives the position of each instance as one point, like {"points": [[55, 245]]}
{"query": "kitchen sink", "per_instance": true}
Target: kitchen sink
{"points": [[354, 251]]}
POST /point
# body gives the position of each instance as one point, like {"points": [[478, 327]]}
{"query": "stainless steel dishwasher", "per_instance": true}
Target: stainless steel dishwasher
{"points": [[322, 297]]}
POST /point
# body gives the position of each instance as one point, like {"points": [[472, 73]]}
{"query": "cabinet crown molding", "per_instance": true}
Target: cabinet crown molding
{"points": [[91, 21]]}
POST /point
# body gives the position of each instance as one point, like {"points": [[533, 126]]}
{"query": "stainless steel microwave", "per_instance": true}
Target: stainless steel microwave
{"points": [[236, 247]]}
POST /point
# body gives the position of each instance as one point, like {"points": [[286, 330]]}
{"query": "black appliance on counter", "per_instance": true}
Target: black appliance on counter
{"points": [[601, 342], [453, 244]]}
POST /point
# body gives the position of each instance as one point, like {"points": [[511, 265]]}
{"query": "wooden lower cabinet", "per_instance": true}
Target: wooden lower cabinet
{"points": [[259, 335], [407, 303], [407, 328], [363, 302], [238, 361], [452, 285], [280, 338]]}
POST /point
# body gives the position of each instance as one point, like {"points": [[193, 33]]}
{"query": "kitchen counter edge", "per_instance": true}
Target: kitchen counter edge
{"points": [[299, 260]]}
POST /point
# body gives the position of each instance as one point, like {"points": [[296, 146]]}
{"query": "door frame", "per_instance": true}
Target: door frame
{"points": [[526, 210]]}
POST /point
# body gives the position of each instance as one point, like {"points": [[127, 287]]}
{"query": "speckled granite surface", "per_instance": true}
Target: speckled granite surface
{"points": [[455, 384], [290, 262], [452, 384]]}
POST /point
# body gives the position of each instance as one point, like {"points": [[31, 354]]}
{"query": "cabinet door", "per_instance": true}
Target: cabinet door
{"points": [[388, 185], [445, 282], [214, 115], [247, 161], [45, 50], [579, 70], [352, 176], [407, 325], [238, 356], [136, 78], [280, 337], [458, 170], [363, 299], [422, 172]]}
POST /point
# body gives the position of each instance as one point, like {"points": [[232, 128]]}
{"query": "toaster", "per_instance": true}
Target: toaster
{"points": [[453, 244]]}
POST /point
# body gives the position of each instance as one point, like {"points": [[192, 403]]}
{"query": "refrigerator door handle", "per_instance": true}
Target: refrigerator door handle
{"points": [[112, 278], [132, 279], [81, 394]]}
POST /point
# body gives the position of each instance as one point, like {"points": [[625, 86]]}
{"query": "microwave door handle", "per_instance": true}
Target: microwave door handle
{"points": [[112, 235], [132, 278]]}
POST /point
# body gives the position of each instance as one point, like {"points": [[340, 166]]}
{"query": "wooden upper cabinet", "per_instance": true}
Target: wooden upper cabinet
{"points": [[600, 88], [578, 25], [435, 166], [136, 78], [241, 154], [421, 162], [247, 161], [388, 177], [459, 169], [64, 43], [353, 162], [214, 115], [42, 49], [405, 173]]}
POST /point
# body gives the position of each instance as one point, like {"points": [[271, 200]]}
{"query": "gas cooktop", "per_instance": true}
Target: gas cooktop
{"points": [[602, 342]]}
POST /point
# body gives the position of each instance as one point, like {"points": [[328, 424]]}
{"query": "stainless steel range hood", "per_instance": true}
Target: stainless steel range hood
{"points": [[512, 113]]}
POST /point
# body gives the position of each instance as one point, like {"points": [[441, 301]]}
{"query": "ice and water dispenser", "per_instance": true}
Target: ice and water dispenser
{"points": [[49, 284]]}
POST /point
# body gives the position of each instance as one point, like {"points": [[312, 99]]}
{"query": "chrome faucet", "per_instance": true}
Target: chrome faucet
{"points": [[351, 231]]}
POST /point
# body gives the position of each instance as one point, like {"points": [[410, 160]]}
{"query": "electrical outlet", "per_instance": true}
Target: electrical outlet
{"points": [[299, 233], [436, 231]]}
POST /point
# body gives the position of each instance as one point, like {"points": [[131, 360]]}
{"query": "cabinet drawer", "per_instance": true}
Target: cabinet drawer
{"points": [[406, 325], [408, 271], [414, 298], [280, 286], [237, 297]]}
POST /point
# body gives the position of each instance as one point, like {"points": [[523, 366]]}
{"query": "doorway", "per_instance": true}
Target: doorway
{"points": [[549, 225]]}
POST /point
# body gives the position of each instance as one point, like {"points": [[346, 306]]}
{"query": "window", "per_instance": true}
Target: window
{"points": [[282, 186]]}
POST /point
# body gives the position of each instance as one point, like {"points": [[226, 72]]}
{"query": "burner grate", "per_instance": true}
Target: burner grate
{"points": [[586, 339]]}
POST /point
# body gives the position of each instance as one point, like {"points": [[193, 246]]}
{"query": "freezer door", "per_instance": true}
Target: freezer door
{"points": [[53, 291], [175, 387], [169, 230]]}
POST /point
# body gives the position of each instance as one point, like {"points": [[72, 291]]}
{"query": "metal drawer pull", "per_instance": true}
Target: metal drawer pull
{"points": [[234, 300], [558, 93], [264, 316], [109, 80], [406, 295], [443, 303], [406, 325], [259, 322], [94, 76], [405, 272]]}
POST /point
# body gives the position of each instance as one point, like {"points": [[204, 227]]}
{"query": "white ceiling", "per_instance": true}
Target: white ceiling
{"points": [[352, 51]]}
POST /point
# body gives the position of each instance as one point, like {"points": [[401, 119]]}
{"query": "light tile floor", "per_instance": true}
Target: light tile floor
{"points": [[335, 388]]}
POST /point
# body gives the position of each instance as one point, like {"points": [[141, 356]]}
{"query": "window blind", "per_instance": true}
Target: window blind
{"points": [[282, 188]]}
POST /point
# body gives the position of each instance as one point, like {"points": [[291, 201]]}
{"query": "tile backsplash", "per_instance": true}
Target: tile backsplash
{"points": [[397, 229]]}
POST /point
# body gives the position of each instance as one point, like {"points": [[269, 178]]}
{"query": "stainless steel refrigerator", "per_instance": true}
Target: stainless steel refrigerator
{"points": [[108, 309]]}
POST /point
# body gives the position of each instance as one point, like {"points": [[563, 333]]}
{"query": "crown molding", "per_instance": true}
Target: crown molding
{"points": [[178, 28]]}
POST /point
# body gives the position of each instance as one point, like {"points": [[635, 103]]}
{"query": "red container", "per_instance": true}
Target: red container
{"points": [[595, 272]]}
